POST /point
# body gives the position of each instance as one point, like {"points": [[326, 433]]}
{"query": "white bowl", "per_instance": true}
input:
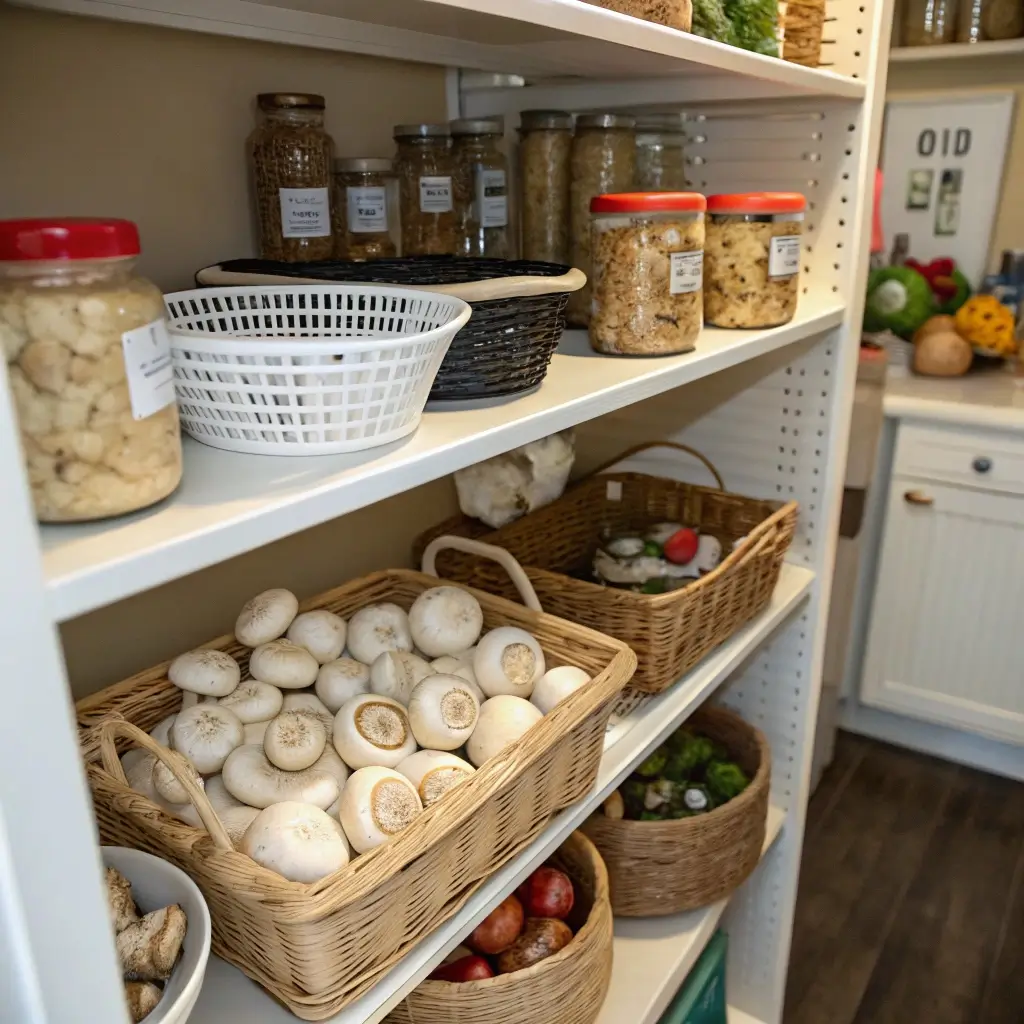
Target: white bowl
{"points": [[155, 884]]}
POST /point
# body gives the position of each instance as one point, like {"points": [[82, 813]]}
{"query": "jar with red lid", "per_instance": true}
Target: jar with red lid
{"points": [[752, 258], [647, 259], [89, 368]]}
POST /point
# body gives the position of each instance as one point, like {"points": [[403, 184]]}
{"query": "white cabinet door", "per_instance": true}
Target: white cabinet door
{"points": [[946, 642]]}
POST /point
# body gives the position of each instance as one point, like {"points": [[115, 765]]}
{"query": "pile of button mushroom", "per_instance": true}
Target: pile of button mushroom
{"points": [[345, 731]]}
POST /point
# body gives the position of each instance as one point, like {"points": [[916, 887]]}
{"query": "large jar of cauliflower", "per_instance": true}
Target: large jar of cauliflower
{"points": [[752, 258], [89, 367]]}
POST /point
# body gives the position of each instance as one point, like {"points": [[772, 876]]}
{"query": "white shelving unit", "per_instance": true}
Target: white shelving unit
{"points": [[957, 51], [771, 408]]}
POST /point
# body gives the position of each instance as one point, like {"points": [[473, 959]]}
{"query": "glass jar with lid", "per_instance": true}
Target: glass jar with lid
{"points": [[752, 258], [362, 202], [660, 166], [426, 168], [481, 187], [545, 141], [89, 367], [647, 262], [603, 160], [928, 22], [291, 154], [983, 20]]}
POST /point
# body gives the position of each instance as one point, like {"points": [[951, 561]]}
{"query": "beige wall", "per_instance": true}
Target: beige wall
{"points": [[105, 118]]}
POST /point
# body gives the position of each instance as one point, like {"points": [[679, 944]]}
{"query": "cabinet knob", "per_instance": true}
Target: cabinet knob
{"points": [[981, 464], [917, 498]]}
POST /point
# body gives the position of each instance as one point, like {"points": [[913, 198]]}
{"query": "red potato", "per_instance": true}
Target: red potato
{"points": [[681, 547], [499, 929], [542, 937], [547, 892], [469, 968]]}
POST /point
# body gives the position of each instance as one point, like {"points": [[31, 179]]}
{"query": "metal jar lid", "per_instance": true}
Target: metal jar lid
{"points": [[362, 165], [290, 101], [539, 120], [605, 121], [478, 126], [660, 122], [421, 131]]}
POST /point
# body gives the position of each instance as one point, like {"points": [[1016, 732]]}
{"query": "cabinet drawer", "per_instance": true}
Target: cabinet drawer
{"points": [[960, 455]]}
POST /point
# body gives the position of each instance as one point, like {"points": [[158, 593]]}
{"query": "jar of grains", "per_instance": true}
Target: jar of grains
{"points": [[660, 166], [647, 258], [603, 160], [752, 258], [545, 138], [425, 170], [291, 157], [89, 367], [481, 188], [361, 199], [928, 22]]}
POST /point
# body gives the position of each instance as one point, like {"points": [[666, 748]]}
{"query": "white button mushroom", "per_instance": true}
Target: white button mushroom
{"points": [[206, 734], [555, 685], [371, 730], [297, 840], [309, 705], [169, 787], [395, 674], [139, 772], [190, 699], [329, 761], [502, 720], [443, 712], [508, 660], [376, 805], [321, 632], [294, 741], [445, 620], [217, 793], [236, 820], [284, 664], [266, 617], [255, 731], [340, 680], [162, 730], [461, 666], [253, 701], [376, 629], [252, 779], [206, 672], [434, 772]]}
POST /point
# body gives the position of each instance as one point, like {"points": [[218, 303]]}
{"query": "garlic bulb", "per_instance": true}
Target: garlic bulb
{"points": [[206, 672], [395, 674], [434, 772], [321, 632], [293, 741], [443, 712], [376, 629], [376, 805], [266, 617], [340, 680], [297, 840], [555, 685], [250, 777], [372, 731], [502, 720], [284, 664], [253, 701], [508, 660], [445, 620], [206, 734]]}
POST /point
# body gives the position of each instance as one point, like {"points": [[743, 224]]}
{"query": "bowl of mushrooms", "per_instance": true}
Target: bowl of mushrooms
{"points": [[163, 934]]}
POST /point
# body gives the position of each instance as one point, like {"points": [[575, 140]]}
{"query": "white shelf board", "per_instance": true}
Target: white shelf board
{"points": [[956, 51], [653, 955], [542, 38], [230, 503], [228, 997]]}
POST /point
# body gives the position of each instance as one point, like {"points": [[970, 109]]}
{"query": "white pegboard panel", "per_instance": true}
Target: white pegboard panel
{"points": [[849, 37]]}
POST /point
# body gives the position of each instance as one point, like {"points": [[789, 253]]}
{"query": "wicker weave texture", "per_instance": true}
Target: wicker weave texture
{"points": [[666, 867], [803, 23], [567, 988], [316, 947]]}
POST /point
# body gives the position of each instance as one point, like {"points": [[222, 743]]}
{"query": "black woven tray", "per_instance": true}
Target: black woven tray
{"points": [[505, 348]]}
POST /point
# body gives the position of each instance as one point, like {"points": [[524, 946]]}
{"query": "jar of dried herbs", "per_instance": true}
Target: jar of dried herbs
{"points": [[426, 169], [481, 187], [660, 166], [361, 199], [291, 156], [545, 139]]}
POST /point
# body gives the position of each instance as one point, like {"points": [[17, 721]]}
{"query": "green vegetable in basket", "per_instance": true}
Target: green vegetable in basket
{"points": [[709, 20], [725, 780], [755, 25], [687, 753], [652, 549], [633, 792], [654, 764], [650, 816]]}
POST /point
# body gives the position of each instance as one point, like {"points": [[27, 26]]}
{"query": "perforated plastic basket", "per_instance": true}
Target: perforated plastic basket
{"points": [[307, 369]]}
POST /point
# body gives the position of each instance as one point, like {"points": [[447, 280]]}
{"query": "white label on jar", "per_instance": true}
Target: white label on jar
{"points": [[687, 272], [305, 212], [436, 194], [147, 364], [784, 256], [367, 209], [491, 198]]}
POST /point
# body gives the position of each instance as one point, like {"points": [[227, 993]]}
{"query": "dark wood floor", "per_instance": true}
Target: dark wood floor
{"points": [[911, 904]]}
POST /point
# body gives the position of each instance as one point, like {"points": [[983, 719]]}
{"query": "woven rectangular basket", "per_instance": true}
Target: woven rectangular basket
{"points": [[316, 947], [669, 632]]}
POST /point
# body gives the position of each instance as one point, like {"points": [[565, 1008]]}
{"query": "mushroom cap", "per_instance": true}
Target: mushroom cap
{"points": [[508, 660], [321, 632], [284, 664], [445, 620], [294, 741], [443, 712], [395, 674], [206, 734], [503, 719], [253, 701], [206, 672], [251, 778], [555, 685], [340, 680], [376, 629], [434, 772], [297, 840], [377, 804], [265, 617], [372, 731]]}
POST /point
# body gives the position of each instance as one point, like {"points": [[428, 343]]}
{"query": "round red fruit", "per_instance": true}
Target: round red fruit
{"points": [[499, 929], [681, 547], [467, 968], [549, 893]]}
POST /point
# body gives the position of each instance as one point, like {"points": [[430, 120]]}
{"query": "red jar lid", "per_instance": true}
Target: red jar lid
{"points": [[758, 202], [67, 238], [648, 202]]}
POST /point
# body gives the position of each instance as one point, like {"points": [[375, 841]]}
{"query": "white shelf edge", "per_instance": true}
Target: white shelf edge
{"points": [[665, 950], [229, 503], [955, 51], [228, 997]]}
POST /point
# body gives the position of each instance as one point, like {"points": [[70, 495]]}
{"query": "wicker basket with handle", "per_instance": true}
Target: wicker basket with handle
{"points": [[316, 947], [666, 867], [567, 988], [669, 632]]}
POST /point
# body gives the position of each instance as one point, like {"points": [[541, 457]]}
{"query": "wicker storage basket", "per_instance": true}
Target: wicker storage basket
{"points": [[669, 632], [666, 867], [567, 988], [316, 947], [803, 23]]}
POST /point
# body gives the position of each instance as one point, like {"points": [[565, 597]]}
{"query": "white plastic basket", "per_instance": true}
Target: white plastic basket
{"points": [[307, 369]]}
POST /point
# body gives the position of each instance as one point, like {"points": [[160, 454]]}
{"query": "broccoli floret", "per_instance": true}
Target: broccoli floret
{"points": [[653, 765], [651, 816], [725, 780], [689, 754]]}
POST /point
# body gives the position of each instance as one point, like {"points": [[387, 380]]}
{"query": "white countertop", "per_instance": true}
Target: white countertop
{"points": [[990, 399]]}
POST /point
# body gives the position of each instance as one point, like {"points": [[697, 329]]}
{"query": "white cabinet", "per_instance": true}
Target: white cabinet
{"points": [[946, 642]]}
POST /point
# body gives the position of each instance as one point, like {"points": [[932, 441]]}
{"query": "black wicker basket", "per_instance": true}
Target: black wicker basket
{"points": [[507, 345]]}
